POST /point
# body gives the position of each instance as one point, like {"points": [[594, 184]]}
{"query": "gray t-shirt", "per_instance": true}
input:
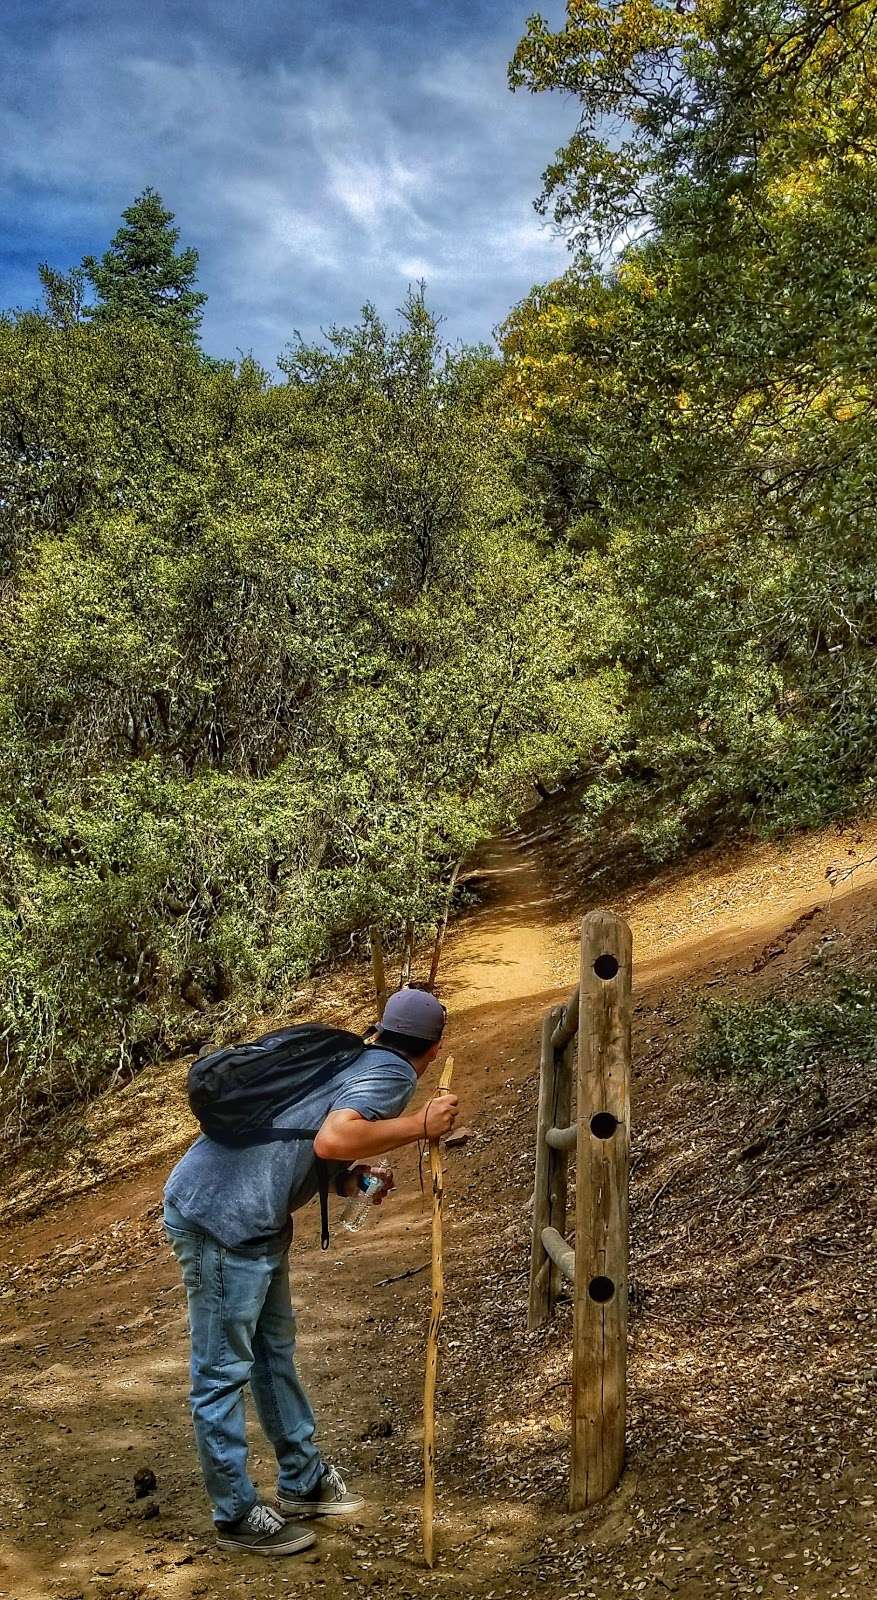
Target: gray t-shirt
{"points": [[244, 1196]]}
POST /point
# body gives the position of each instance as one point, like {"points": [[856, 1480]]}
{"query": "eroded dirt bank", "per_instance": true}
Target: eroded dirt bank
{"points": [[753, 1362]]}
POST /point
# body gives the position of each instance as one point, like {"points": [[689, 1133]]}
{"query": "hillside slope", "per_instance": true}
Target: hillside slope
{"points": [[752, 1434]]}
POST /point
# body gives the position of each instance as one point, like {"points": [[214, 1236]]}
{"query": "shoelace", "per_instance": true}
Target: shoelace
{"points": [[336, 1483], [263, 1520]]}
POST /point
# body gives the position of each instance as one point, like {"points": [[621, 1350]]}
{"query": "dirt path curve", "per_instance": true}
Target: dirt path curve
{"points": [[92, 1321], [508, 949]]}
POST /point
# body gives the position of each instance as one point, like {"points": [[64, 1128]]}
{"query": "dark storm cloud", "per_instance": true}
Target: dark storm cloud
{"points": [[318, 154]]}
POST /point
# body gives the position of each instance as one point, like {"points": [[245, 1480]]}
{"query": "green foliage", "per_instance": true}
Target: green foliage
{"points": [[63, 295], [274, 657], [773, 1040], [696, 417], [684, 107], [141, 277]]}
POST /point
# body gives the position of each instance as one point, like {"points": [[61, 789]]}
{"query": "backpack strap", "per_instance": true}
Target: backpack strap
{"points": [[239, 1141], [323, 1190]]}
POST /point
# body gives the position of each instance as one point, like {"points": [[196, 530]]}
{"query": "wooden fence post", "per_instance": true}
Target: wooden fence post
{"points": [[540, 1276], [549, 1186], [601, 1251], [558, 1157]]}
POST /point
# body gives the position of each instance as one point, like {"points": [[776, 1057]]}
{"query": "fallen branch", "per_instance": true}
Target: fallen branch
{"points": [[825, 1122], [666, 1184], [836, 875], [410, 1272]]}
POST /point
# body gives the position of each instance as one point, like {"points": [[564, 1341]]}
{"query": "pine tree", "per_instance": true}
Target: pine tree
{"points": [[143, 278]]}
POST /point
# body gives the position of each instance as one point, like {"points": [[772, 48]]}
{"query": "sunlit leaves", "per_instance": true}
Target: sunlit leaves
{"points": [[698, 415]]}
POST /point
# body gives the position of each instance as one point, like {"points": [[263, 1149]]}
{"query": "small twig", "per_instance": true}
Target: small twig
{"points": [[397, 1277], [658, 1250], [551, 1387], [665, 1185], [759, 1178], [798, 1138], [772, 1131], [843, 874], [825, 1122]]}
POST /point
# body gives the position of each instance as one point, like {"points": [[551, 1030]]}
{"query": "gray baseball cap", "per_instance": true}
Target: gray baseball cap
{"points": [[415, 1012]]}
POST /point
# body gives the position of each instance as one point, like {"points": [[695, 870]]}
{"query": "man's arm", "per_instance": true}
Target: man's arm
{"points": [[347, 1136]]}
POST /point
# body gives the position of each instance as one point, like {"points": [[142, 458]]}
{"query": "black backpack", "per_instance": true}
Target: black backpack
{"points": [[236, 1092]]}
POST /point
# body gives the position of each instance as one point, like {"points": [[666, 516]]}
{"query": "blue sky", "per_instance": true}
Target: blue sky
{"points": [[318, 153]]}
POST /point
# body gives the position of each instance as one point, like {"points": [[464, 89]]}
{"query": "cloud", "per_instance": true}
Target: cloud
{"points": [[417, 270], [317, 157], [374, 192]]}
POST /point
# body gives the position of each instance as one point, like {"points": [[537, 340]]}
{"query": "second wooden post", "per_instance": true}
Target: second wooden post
{"points": [[603, 1162], [549, 1188]]}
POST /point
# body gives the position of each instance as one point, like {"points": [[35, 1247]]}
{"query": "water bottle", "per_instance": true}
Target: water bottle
{"points": [[358, 1208]]}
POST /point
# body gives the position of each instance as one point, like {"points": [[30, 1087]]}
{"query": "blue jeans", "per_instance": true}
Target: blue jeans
{"points": [[242, 1328]]}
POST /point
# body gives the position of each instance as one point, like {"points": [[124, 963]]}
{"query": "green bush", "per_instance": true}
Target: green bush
{"points": [[274, 655], [772, 1040]]}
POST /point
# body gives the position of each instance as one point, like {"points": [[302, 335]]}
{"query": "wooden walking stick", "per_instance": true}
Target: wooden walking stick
{"points": [[438, 1297]]}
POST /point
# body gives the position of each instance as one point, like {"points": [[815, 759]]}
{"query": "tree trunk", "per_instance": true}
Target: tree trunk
{"points": [[378, 969], [407, 955], [442, 928]]}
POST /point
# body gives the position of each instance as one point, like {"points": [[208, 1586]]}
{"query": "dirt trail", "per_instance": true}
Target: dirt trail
{"points": [[751, 1432]]}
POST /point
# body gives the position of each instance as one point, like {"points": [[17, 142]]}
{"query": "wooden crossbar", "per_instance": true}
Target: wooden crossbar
{"points": [[549, 1190], [567, 1027], [562, 1138], [561, 1253]]}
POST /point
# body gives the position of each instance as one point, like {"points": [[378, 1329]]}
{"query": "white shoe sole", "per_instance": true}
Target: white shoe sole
{"points": [[300, 1541], [319, 1508]]}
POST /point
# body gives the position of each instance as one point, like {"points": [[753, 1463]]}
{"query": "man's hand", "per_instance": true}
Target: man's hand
{"points": [[441, 1114], [346, 1136], [363, 1170]]}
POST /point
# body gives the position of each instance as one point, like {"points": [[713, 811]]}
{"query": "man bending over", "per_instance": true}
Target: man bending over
{"points": [[228, 1217]]}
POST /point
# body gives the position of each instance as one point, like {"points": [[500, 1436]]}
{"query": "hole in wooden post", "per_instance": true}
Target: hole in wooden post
{"points": [[606, 967], [601, 1290], [603, 1125]]}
